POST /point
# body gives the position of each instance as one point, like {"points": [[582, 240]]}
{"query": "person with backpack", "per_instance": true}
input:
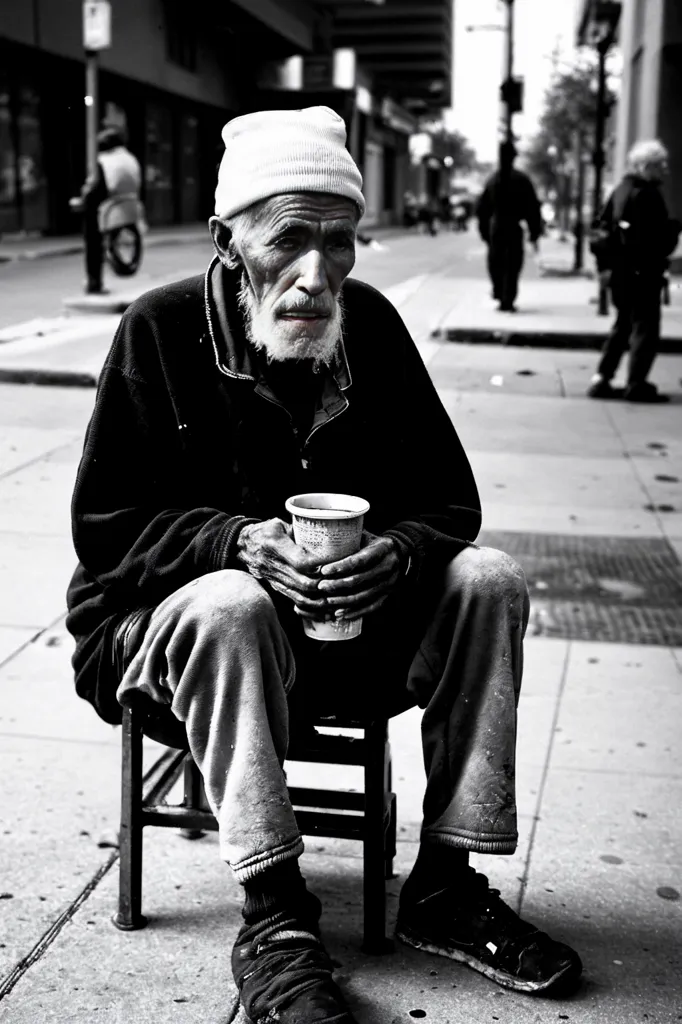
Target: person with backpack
{"points": [[633, 239]]}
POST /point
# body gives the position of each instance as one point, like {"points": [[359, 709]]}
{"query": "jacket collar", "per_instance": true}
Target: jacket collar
{"points": [[233, 355]]}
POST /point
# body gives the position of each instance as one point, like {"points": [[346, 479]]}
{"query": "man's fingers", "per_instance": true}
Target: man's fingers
{"points": [[374, 552], [314, 609], [356, 599], [358, 613], [359, 581]]}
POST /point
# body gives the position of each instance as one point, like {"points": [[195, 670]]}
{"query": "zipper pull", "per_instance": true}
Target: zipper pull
{"points": [[304, 462]]}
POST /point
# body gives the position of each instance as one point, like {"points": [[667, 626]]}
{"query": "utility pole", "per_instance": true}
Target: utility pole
{"points": [[579, 252], [96, 37], [508, 95], [598, 158]]}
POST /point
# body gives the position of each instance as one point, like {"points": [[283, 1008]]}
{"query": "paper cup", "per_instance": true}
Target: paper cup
{"points": [[329, 525]]}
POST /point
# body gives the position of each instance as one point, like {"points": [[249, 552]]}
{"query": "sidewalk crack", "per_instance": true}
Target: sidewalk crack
{"points": [[543, 780], [48, 937]]}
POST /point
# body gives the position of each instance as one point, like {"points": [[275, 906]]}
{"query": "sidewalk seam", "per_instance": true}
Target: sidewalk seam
{"points": [[543, 780], [635, 472], [48, 937], [38, 458]]}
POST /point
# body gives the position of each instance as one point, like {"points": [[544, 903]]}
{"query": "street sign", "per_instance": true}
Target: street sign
{"points": [[96, 24]]}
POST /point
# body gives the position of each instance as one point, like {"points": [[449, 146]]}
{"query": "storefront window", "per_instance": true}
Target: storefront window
{"points": [[159, 164], [9, 219], [30, 164]]}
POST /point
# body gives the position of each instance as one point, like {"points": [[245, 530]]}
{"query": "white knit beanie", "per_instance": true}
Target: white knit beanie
{"points": [[273, 152]]}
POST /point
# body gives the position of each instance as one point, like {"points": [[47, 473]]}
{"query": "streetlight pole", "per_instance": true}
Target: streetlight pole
{"points": [[509, 73], [599, 130]]}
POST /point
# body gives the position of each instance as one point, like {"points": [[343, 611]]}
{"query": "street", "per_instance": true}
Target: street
{"points": [[586, 495], [36, 287]]}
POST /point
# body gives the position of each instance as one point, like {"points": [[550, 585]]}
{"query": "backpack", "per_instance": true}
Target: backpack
{"points": [[609, 242]]}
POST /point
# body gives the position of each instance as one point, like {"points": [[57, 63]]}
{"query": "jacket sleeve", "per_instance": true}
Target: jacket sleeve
{"points": [[484, 213], [532, 211], [440, 506], [128, 532]]}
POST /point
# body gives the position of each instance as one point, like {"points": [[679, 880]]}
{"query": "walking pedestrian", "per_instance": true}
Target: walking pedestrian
{"points": [[633, 239], [118, 175], [508, 199], [273, 374]]}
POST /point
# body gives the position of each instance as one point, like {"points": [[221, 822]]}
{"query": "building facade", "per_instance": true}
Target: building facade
{"points": [[170, 81], [651, 94]]}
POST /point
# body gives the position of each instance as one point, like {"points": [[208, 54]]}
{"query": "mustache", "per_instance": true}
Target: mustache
{"points": [[318, 309]]}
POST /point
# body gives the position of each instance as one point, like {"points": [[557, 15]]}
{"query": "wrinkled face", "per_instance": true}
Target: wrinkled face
{"points": [[296, 250]]}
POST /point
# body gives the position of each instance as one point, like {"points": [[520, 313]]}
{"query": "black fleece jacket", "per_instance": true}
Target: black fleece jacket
{"points": [[186, 444]]}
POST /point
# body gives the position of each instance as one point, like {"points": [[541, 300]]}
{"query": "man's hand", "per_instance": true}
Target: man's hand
{"points": [[267, 551], [360, 583]]}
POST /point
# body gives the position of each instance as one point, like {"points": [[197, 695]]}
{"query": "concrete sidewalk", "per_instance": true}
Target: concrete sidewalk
{"points": [[556, 308], [588, 496], [599, 763], [552, 313]]}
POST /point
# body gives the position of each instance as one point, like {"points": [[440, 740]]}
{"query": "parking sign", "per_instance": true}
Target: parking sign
{"points": [[96, 24]]}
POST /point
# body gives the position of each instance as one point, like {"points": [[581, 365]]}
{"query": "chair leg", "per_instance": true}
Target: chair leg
{"points": [[391, 830], [129, 916], [374, 883], [390, 813], [193, 795]]}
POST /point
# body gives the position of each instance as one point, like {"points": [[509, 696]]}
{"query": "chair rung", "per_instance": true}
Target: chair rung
{"points": [[163, 816], [334, 826], [331, 750], [162, 775], [326, 798]]}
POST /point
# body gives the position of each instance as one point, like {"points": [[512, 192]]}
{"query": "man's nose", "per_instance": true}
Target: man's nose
{"points": [[312, 273]]}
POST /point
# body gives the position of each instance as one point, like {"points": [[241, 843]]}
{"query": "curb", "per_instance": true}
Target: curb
{"points": [[537, 339], [48, 378], [105, 304], [73, 248]]}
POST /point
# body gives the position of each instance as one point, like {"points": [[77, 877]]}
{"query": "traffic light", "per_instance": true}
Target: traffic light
{"points": [[511, 92]]}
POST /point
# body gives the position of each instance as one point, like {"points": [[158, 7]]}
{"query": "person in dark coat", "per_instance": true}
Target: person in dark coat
{"points": [[633, 240], [276, 374], [507, 200]]}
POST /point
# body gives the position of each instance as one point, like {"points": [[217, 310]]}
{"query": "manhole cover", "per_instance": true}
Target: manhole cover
{"points": [[618, 589]]}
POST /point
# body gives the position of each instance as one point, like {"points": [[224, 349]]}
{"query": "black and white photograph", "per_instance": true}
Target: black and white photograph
{"points": [[340, 511]]}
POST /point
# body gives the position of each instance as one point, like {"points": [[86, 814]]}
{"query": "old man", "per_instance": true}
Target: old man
{"points": [[277, 374]]}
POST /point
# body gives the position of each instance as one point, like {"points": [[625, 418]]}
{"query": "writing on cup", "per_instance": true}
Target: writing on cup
{"points": [[329, 525]]}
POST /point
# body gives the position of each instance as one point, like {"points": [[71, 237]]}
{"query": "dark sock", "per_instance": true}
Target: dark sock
{"points": [[437, 867], [280, 890]]}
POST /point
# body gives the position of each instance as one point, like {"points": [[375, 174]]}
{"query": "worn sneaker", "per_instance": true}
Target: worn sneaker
{"points": [[645, 392], [603, 389], [475, 927], [284, 975]]}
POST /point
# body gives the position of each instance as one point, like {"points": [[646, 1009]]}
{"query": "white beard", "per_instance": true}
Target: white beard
{"points": [[280, 341]]}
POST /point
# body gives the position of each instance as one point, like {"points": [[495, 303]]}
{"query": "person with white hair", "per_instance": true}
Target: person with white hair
{"points": [[275, 374], [634, 238]]}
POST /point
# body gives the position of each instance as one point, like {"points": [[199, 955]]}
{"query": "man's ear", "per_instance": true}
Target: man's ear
{"points": [[222, 241]]}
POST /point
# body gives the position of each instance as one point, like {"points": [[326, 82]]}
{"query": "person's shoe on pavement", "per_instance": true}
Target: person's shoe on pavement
{"points": [[468, 922], [284, 974], [601, 388], [279, 963], [644, 392]]}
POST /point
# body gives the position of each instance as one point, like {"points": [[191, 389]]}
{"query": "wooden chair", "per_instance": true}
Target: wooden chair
{"points": [[369, 816]]}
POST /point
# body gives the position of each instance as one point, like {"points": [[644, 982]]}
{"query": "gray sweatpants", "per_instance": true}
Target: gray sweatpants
{"points": [[223, 654]]}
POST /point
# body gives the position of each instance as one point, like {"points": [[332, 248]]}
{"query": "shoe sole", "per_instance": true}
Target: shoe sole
{"points": [[503, 978], [342, 1018]]}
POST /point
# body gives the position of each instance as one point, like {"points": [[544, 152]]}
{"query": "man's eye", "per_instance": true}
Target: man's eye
{"points": [[341, 244], [287, 243]]}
